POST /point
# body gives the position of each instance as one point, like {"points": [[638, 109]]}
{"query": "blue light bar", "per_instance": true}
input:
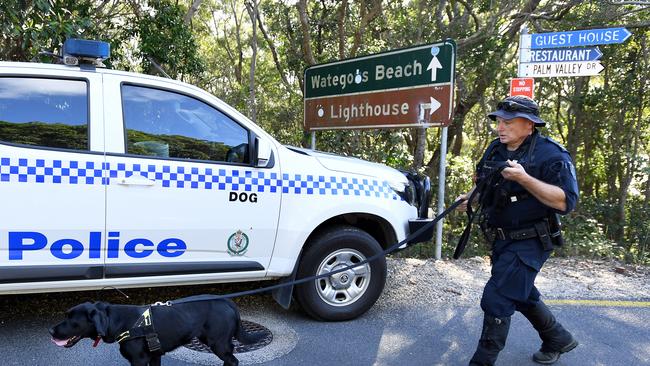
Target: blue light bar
{"points": [[86, 48]]}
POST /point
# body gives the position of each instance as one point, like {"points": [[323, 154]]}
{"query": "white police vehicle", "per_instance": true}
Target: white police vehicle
{"points": [[111, 178]]}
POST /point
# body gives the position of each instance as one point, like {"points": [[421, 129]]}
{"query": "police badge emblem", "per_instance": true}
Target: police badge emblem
{"points": [[238, 243]]}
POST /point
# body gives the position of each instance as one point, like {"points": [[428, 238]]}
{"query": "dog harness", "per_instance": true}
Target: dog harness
{"points": [[143, 327]]}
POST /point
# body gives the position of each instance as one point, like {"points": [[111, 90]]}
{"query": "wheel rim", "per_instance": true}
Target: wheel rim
{"points": [[344, 288]]}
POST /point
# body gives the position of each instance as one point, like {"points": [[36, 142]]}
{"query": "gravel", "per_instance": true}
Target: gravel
{"points": [[461, 282]]}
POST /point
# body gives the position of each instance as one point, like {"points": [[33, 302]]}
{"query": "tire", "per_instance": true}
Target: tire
{"points": [[348, 294]]}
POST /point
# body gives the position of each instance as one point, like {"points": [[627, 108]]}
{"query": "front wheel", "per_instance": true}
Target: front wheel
{"points": [[347, 294]]}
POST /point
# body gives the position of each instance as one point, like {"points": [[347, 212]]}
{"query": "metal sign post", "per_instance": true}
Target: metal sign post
{"points": [[441, 190]]}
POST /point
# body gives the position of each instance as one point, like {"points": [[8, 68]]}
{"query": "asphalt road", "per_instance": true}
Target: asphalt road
{"points": [[418, 335]]}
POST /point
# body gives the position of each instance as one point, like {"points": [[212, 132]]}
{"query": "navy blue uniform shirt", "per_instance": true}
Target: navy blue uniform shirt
{"points": [[547, 161]]}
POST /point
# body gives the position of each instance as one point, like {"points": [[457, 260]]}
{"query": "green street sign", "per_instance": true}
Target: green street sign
{"points": [[387, 89]]}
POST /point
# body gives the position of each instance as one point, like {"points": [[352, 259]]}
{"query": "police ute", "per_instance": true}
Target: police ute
{"points": [[118, 179]]}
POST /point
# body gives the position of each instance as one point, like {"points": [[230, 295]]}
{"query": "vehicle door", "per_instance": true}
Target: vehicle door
{"points": [[183, 196], [51, 156]]}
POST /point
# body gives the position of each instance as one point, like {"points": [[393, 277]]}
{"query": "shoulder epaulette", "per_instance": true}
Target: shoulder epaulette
{"points": [[562, 148]]}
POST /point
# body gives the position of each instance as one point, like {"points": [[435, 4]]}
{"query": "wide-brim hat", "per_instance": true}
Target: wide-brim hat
{"points": [[518, 106], [510, 115]]}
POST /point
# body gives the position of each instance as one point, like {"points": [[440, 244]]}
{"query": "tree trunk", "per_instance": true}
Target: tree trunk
{"points": [[574, 135], [240, 54], [647, 193], [419, 135], [619, 232], [274, 53], [252, 9], [192, 10], [366, 17], [420, 147], [307, 53], [340, 21]]}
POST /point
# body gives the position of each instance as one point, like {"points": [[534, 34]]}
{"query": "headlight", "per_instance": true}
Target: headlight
{"points": [[417, 192], [406, 191], [398, 187]]}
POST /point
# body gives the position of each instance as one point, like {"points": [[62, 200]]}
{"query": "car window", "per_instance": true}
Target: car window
{"points": [[44, 112], [167, 124]]}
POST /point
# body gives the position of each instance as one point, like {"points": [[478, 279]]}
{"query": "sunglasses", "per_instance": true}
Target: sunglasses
{"points": [[512, 106]]}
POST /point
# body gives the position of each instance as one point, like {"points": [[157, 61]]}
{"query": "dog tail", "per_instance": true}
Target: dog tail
{"points": [[243, 336]]}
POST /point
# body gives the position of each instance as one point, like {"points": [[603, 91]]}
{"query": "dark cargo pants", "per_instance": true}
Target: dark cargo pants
{"points": [[515, 264]]}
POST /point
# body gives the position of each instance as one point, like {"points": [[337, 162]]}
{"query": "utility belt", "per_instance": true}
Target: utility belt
{"points": [[547, 230]]}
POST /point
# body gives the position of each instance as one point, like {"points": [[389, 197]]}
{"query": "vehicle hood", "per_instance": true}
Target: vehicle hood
{"points": [[345, 164]]}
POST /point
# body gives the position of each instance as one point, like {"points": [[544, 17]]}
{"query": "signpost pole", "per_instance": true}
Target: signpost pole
{"points": [[441, 190], [313, 140], [522, 37]]}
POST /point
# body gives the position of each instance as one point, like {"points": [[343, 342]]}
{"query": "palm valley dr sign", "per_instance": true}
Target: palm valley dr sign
{"points": [[411, 87]]}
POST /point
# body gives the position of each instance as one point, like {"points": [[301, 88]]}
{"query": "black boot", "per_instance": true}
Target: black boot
{"points": [[493, 339], [555, 339]]}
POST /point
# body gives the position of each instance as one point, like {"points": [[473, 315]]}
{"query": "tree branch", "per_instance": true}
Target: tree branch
{"points": [[645, 24], [308, 55], [365, 19], [471, 13], [191, 11], [629, 2], [553, 15], [157, 66], [226, 44], [341, 27], [240, 61], [485, 32], [274, 52], [439, 10], [252, 9]]}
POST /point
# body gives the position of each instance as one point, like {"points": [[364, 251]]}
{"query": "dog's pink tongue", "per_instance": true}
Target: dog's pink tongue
{"points": [[60, 342]]}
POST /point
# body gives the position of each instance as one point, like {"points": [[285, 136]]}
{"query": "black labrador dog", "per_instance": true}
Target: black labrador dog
{"points": [[213, 322]]}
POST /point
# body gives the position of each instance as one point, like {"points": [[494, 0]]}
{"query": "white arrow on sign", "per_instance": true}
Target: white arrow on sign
{"points": [[559, 69], [432, 106], [434, 65]]}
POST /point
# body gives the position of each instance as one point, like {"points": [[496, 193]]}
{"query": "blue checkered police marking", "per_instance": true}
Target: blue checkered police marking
{"points": [[50, 171], [90, 173]]}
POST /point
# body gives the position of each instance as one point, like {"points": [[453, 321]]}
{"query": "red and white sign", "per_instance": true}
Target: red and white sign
{"points": [[522, 86]]}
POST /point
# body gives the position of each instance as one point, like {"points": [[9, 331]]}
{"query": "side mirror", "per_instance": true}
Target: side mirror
{"points": [[263, 152]]}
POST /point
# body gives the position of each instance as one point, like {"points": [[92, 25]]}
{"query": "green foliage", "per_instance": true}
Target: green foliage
{"points": [[585, 236], [382, 146], [165, 39], [28, 27], [638, 231]]}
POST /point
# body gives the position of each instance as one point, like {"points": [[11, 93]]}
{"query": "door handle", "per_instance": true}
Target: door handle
{"points": [[136, 180]]}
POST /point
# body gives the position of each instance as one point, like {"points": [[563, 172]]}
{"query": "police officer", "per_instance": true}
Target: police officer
{"points": [[519, 217]]}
